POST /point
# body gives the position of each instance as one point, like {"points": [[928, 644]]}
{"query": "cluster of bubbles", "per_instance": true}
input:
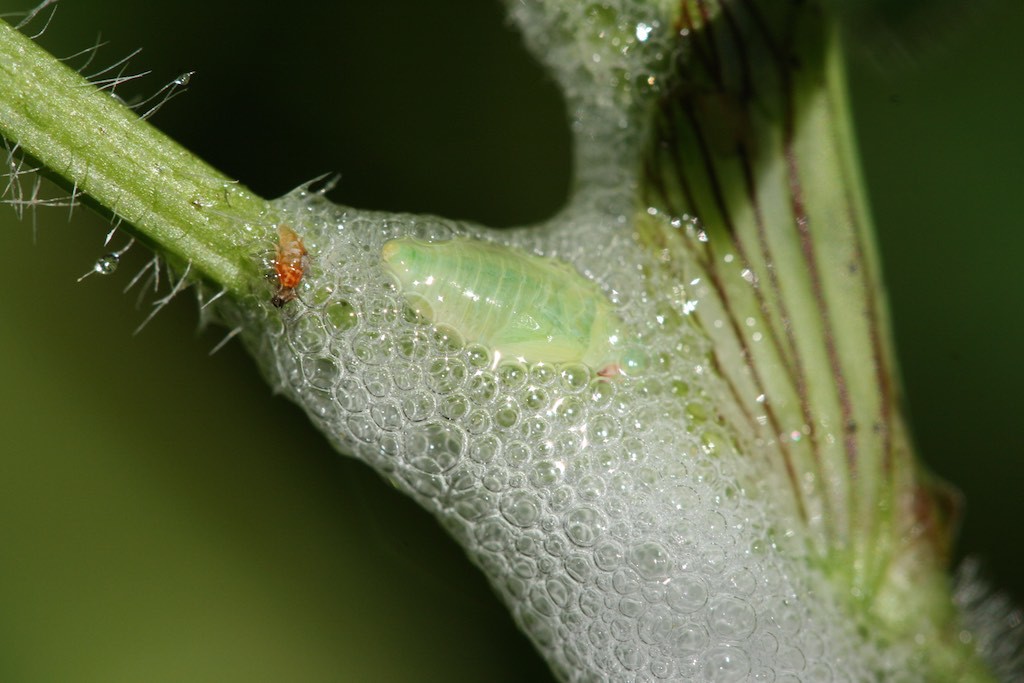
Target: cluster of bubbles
{"points": [[609, 513], [606, 55], [611, 59], [619, 517]]}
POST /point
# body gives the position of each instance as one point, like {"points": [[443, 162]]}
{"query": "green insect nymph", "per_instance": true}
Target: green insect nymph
{"points": [[520, 306]]}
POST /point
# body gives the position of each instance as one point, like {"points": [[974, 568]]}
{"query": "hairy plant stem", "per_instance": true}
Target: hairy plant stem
{"points": [[170, 198]]}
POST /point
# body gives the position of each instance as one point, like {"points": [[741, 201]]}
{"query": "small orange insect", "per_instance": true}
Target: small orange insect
{"points": [[289, 264]]}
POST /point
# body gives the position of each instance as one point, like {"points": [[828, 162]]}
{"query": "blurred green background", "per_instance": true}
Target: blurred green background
{"points": [[163, 517]]}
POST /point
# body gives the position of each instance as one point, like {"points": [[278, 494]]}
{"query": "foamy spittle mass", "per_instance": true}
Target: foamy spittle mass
{"points": [[609, 512]]}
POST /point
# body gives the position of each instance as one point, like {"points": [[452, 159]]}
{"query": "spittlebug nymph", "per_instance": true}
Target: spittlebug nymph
{"points": [[519, 305], [289, 264]]}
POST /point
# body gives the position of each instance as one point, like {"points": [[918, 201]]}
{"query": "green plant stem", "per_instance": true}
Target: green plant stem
{"points": [[173, 200], [753, 137]]}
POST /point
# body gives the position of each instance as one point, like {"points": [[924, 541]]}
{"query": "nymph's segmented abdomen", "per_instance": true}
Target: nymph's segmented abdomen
{"points": [[518, 304]]}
